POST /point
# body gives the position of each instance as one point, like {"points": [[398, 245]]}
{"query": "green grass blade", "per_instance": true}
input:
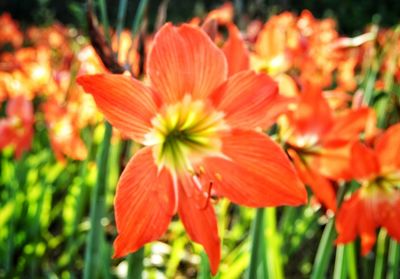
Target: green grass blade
{"points": [[257, 234], [394, 260], [135, 264], [272, 245], [138, 17], [123, 4], [93, 247], [340, 269], [380, 254], [104, 19], [351, 261]]}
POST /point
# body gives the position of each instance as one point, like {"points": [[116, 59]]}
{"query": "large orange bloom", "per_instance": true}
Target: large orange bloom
{"points": [[319, 141], [377, 202], [198, 130]]}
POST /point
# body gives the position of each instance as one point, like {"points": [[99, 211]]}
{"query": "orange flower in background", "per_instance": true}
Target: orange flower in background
{"points": [[377, 203], [235, 51], [197, 127], [10, 32], [63, 132], [17, 128], [320, 141], [278, 38]]}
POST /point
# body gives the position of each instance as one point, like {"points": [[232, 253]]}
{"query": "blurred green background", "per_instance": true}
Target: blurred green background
{"points": [[352, 16]]}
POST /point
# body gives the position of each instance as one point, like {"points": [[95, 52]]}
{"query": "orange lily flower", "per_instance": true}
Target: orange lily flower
{"points": [[63, 132], [199, 139], [377, 203], [17, 128], [320, 142], [10, 32]]}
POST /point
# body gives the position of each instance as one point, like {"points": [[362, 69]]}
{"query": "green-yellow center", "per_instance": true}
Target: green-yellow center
{"points": [[184, 133]]}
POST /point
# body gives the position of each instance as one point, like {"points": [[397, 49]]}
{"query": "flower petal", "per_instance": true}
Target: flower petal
{"points": [[126, 103], [333, 161], [313, 115], [388, 149], [184, 60], [6, 133], [235, 51], [22, 108], [349, 125], [391, 220], [255, 173], [245, 98], [347, 219], [144, 203], [320, 185], [200, 222], [364, 162]]}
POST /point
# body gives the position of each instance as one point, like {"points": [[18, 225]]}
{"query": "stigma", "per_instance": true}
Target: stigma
{"points": [[183, 133]]}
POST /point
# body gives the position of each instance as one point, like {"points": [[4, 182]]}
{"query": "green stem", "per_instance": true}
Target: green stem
{"points": [[324, 251], [257, 235], [93, 247], [351, 261], [394, 260], [121, 18], [138, 17], [380, 254], [204, 271], [135, 264], [272, 241], [340, 270], [325, 247], [104, 19]]}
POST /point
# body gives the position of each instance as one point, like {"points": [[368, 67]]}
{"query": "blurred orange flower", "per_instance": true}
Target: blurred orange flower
{"points": [[377, 202], [17, 128]]}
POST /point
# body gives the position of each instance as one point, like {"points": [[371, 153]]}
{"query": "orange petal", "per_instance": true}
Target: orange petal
{"points": [[235, 51], [333, 161], [364, 162], [245, 98], [358, 216], [347, 219], [367, 226], [126, 103], [183, 60], [313, 115], [349, 125], [392, 217], [255, 173], [200, 222], [388, 148], [320, 185], [144, 203], [6, 133], [21, 107]]}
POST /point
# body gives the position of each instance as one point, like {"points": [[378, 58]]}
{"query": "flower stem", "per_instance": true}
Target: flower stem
{"points": [[351, 261], [93, 247], [272, 245], [257, 235], [380, 254], [123, 4], [394, 260], [104, 19], [340, 270], [135, 264], [325, 247]]}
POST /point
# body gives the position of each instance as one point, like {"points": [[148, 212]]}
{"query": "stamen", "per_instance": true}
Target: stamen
{"points": [[208, 197]]}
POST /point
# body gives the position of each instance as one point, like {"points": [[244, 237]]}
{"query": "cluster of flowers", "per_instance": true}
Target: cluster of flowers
{"points": [[209, 92], [41, 65]]}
